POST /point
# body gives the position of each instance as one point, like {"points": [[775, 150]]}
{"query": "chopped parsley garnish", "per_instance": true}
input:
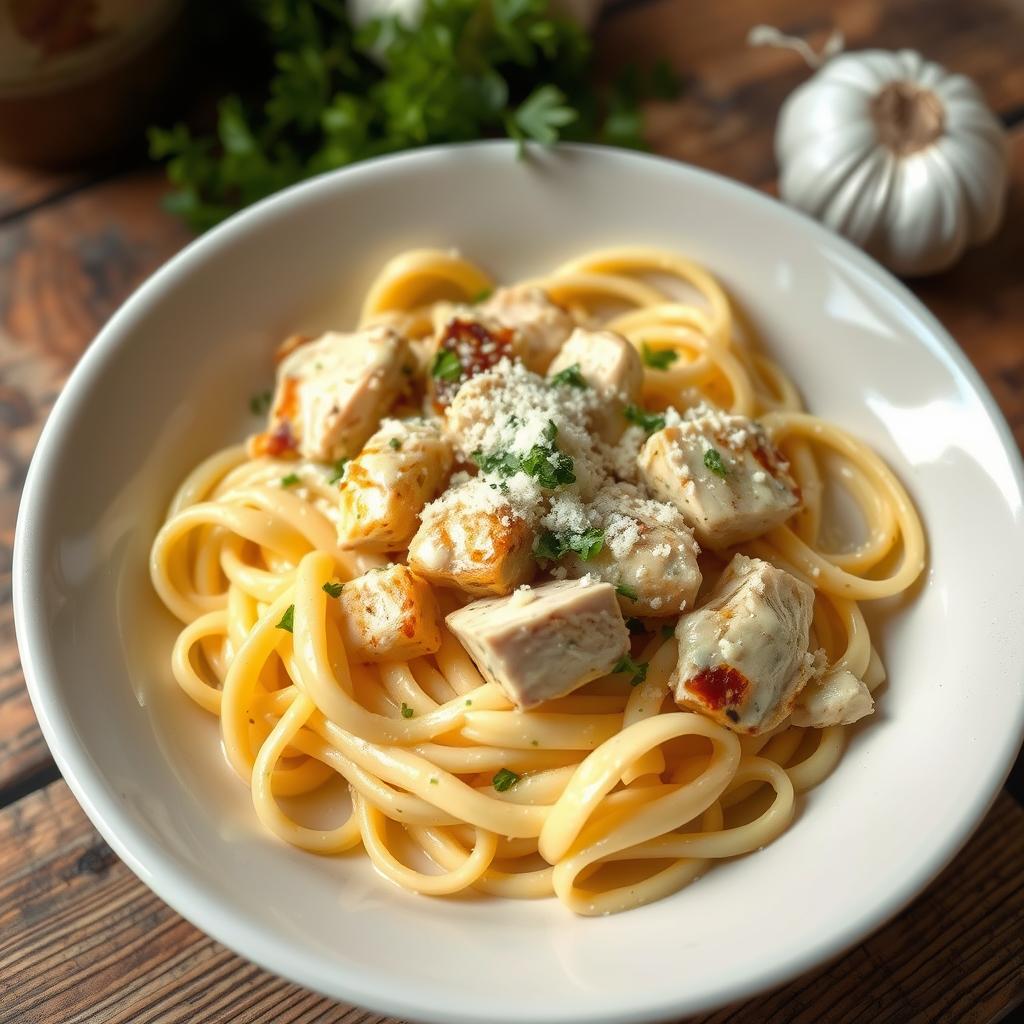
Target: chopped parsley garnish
{"points": [[288, 619], [337, 471], [635, 625], [395, 443], [626, 591], [570, 377], [333, 589], [549, 466], [550, 547], [650, 421], [504, 780], [638, 668], [483, 295], [667, 631], [290, 480], [407, 712], [713, 460], [260, 403], [446, 366], [658, 358]]}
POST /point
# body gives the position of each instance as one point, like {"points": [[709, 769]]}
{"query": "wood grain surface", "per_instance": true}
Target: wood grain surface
{"points": [[81, 939]]}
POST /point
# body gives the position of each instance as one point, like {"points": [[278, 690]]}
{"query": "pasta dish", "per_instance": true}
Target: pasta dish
{"points": [[546, 589]]}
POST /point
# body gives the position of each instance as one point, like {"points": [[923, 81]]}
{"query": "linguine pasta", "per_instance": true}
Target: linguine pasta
{"points": [[621, 798]]}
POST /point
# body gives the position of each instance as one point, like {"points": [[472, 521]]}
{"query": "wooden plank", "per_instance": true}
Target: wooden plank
{"points": [[82, 940], [63, 270], [23, 188]]}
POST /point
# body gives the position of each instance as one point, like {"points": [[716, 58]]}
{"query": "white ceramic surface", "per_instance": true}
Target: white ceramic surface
{"points": [[168, 381]]}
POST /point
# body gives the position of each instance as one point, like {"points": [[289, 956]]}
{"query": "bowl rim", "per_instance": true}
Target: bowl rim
{"points": [[197, 902]]}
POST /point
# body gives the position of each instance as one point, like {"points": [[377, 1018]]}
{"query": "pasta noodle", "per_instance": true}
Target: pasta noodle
{"points": [[622, 797]]}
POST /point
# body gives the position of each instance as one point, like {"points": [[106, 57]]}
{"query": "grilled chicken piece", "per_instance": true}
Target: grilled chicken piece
{"points": [[610, 365], [332, 392], [388, 484], [389, 614], [743, 655], [724, 475], [472, 539], [544, 642]]}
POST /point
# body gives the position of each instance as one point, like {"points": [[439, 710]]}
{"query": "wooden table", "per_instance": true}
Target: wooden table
{"points": [[82, 940]]}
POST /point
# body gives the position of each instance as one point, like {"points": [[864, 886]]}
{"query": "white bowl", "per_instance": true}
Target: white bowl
{"points": [[168, 381]]}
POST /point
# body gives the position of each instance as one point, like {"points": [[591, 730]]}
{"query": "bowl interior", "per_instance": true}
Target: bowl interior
{"points": [[168, 382]]}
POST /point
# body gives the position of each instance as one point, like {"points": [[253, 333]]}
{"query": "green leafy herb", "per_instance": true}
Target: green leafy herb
{"points": [[446, 366], [550, 466], [290, 480], [483, 295], [637, 668], [626, 591], [333, 589], [658, 358], [288, 619], [665, 83], [650, 421], [550, 547], [713, 460], [407, 712], [504, 780], [667, 631], [460, 70], [259, 404], [635, 625], [395, 443], [570, 377], [337, 471]]}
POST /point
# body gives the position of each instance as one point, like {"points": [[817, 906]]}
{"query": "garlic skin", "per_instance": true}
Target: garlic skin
{"points": [[897, 154]]}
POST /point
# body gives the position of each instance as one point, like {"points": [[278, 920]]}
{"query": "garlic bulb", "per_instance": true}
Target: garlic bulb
{"points": [[896, 153]]}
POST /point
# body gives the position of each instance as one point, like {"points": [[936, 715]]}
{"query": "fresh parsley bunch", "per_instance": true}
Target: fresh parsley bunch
{"points": [[468, 69]]}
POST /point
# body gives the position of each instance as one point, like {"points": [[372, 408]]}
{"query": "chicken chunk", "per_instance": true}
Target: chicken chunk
{"points": [[544, 642], [387, 485], [541, 325], [743, 655], [647, 551], [332, 392], [610, 365], [837, 698], [724, 475], [466, 343], [390, 614], [472, 539]]}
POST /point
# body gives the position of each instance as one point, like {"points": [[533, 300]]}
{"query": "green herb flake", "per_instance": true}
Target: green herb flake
{"points": [[482, 296], [395, 443], [550, 547], [407, 712], [635, 626], [637, 668], [288, 619], [333, 589], [570, 377], [658, 358], [290, 480], [626, 591], [259, 404], [504, 780], [649, 421], [546, 463], [667, 631], [446, 366], [337, 471], [713, 461]]}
